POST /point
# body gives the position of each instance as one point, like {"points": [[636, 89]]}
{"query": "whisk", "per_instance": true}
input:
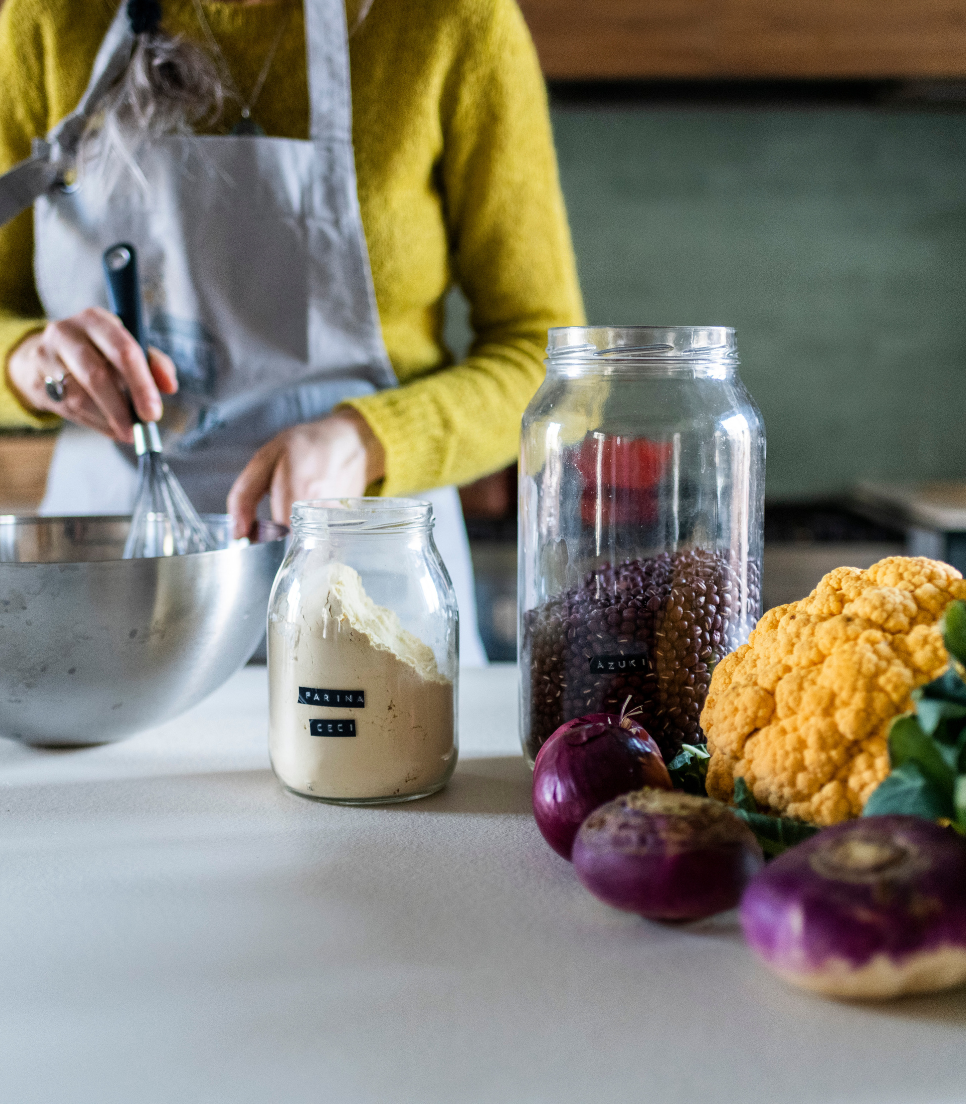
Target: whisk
{"points": [[163, 523]]}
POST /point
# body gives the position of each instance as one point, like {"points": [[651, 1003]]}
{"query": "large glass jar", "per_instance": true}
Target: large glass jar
{"points": [[363, 654], [641, 506]]}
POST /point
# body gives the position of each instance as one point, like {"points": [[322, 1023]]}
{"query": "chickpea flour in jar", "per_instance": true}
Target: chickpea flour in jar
{"points": [[641, 527], [363, 694]]}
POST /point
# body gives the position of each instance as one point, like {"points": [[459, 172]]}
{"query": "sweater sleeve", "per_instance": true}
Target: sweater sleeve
{"points": [[23, 116], [511, 254]]}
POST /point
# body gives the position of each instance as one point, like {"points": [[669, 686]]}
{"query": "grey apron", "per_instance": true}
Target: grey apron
{"points": [[255, 279]]}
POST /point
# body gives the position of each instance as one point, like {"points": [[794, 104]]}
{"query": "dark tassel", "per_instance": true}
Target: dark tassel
{"points": [[144, 16]]}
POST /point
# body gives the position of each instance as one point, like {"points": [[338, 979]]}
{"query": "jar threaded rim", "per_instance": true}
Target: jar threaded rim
{"points": [[364, 514], [610, 347]]}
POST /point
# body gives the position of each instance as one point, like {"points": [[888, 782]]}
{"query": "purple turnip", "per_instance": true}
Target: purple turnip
{"points": [[586, 762], [869, 909], [666, 855]]}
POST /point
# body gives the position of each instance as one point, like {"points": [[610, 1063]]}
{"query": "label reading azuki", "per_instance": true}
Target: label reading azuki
{"points": [[343, 699], [332, 728], [617, 664]]}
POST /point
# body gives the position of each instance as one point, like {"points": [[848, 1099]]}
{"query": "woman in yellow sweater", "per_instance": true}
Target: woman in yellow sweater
{"points": [[452, 162]]}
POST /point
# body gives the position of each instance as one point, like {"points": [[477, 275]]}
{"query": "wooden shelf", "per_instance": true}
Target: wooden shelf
{"points": [[24, 460], [748, 39]]}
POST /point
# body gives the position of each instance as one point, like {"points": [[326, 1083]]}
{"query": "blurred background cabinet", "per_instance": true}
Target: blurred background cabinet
{"points": [[797, 169]]}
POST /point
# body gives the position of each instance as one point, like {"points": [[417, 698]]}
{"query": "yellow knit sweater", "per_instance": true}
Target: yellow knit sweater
{"points": [[457, 182]]}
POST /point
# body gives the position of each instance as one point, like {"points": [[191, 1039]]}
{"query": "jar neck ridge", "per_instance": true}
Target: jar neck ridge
{"points": [[329, 518], [642, 351]]}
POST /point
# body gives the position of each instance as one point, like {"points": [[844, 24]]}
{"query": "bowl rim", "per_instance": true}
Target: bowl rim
{"points": [[268, 533]]}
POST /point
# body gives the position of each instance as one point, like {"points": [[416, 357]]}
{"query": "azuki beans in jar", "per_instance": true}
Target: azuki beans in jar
{"points": [[649, 630]]}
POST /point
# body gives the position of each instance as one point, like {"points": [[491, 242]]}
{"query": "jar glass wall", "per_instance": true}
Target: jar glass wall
{"points": [[363, 654], [641, 515]]}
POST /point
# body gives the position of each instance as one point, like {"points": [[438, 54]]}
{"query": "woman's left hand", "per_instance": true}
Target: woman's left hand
{"points": [[337, 457]]}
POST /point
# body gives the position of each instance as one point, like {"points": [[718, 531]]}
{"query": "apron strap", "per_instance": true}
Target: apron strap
{"points": [[22, 184], [110, 63], [327, 46]]}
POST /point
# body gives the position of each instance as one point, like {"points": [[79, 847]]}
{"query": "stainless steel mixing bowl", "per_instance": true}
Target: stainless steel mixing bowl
{"points": [[93, 647]]}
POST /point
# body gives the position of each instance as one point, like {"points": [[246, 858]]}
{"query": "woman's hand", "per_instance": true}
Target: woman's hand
{"points": [[334, 458], [99, 361]]}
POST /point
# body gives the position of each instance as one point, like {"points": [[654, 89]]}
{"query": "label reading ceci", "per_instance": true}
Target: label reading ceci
{"points": [[351, 699], [345, 727]]}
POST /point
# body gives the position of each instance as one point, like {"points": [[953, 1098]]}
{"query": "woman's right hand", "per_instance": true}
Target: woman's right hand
{"points": [[101, 364]]}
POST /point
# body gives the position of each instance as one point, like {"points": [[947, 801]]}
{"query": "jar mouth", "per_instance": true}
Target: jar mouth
{"points": [[369, 514], [661, 346]]}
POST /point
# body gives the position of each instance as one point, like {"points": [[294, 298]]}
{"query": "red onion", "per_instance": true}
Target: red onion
{"points": [[586, 762], [868, 909], [667, 856]]}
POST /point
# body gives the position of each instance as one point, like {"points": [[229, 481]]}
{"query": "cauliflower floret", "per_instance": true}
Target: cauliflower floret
{"points": [[802, 711]]}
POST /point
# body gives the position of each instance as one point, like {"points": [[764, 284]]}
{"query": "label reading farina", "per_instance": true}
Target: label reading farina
{"points": [[352, 699]]}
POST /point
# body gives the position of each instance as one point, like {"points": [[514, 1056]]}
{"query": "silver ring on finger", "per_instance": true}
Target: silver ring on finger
{"points": [[55, 387]]}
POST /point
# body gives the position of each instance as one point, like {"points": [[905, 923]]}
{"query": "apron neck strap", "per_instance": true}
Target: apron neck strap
{"points": [[112, 58], [327, 46]]}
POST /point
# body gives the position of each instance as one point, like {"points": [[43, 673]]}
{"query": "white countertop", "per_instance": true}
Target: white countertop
{"points": [[176, 927]]}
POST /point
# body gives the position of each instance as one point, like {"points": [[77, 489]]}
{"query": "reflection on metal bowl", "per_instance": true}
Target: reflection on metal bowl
{"points": [[94, 647]]}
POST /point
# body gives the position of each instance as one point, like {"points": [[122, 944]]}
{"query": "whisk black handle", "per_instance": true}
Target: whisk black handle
{"points": [[124, 288], [124, 293]]}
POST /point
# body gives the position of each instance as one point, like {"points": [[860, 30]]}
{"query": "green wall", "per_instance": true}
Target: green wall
{"points": [[833, 239]]}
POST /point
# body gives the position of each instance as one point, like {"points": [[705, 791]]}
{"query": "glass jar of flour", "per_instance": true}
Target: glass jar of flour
{"points": [[363, 654]]}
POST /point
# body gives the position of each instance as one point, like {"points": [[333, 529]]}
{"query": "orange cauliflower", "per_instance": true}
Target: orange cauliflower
{"points": [[802, 711]]}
